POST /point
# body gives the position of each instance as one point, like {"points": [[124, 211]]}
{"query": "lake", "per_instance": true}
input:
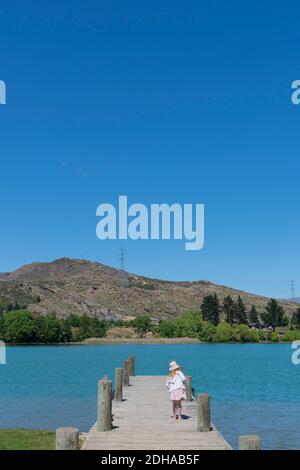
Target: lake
{"points": [[254, 388]]}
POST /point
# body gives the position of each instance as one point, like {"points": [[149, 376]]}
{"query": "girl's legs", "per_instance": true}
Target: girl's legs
{"points": [[174, 409], [179, 409]]}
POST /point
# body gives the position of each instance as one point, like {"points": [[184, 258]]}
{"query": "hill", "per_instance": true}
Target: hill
{"points": [[67, 286]]}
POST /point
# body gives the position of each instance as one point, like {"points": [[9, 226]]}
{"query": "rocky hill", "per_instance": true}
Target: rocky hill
{"points": [[67, 286]]}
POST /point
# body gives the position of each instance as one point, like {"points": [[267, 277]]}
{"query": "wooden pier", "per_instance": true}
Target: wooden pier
{"points": [[137, 416], [143, 421]]}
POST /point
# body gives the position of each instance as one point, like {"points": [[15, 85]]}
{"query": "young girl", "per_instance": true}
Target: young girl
{"points": [[175, 384]]}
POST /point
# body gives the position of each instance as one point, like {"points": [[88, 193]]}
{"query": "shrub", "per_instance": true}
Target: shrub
{"points": [[207, 331], [223, 333], [167, 329], [275, 337], [19, 327], [52, 330], [142, 324], [244, 333], [291, 336]]}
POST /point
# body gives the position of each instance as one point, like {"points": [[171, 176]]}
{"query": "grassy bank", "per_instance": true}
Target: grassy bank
{"points": [[26, 439]]}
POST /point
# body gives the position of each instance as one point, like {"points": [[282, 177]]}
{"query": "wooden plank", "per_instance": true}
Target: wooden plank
{"points": [[143, 421]]}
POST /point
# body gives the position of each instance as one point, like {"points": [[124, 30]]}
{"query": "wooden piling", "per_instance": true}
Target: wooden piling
{"points": [[203, 412], [104, 408], [67, 439], [188, 388], [249, 443], [126, 373], [118, 384], [132, 365]]}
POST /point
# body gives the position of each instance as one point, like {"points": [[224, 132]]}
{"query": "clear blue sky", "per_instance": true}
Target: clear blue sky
{"points": [[162, 101]]}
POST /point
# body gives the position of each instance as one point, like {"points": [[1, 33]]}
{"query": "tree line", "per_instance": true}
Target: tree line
{"points": [[235, 312], [20, 326], [215, 321]]}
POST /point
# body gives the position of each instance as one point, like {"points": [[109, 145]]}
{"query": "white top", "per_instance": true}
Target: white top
{"points": [[176, 382]]}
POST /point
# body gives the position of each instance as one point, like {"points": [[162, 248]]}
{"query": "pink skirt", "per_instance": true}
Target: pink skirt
{"points": [[178, 395]]}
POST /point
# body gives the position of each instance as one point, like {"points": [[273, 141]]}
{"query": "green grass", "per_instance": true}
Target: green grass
{"points": [[26, 439]]}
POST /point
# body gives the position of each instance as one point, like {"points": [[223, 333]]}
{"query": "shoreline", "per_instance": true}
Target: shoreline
{"points": [[115, 341]]}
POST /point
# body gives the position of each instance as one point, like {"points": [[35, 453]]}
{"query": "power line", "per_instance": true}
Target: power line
{"points": [[122, 275], [292, 288]]}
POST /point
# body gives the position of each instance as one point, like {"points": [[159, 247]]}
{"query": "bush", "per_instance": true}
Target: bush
{"points": [[142, 324], [244, 334], [223, 333], [188, 325], [274, 337], [88, 328], [19, 327], [167, 329], [207, 331], [52, 330], [291, 336]]}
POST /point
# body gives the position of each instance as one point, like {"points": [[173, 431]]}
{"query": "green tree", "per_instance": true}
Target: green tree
{"points": [[97, 328], [142, 324], [295, 322], [19, 327], [167, 329], [223, 333], [228, 309], [48, 329], [240, 312], [207, 331], [90, 327], [2, 334], [274, 315], [253, 315], [210, 309], [73, 320], [66, 332]]}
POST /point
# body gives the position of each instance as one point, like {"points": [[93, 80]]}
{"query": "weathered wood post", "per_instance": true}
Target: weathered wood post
{"points": [[203, 412], [131, 365], [188, 388], [249, 443], [126, 372], [104, 408], [67, 439], [118, 384]]}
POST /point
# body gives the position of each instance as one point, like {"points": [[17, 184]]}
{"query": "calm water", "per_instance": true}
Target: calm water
{"points": [[255, 389]]}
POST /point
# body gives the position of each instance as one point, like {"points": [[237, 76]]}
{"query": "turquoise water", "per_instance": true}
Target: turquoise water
{"points": [[255, 388]]}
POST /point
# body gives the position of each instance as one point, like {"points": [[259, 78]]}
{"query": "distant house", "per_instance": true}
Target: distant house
{"points": [[261, 326]]}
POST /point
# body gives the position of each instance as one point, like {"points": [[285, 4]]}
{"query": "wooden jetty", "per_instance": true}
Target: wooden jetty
{"points": [[138, 417], [143, 421]]}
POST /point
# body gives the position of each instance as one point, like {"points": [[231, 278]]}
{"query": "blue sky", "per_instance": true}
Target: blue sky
{"points": [[170, 101]]}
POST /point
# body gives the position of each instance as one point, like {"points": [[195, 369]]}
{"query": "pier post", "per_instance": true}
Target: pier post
{"points": [[203, 412], [188, 388], [118, 384], [104, 411], [249, 443], [126, 372], [67, 439], [131, 365]]}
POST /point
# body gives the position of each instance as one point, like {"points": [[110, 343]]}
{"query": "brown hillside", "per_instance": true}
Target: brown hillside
{"points": [[67, 286]]}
